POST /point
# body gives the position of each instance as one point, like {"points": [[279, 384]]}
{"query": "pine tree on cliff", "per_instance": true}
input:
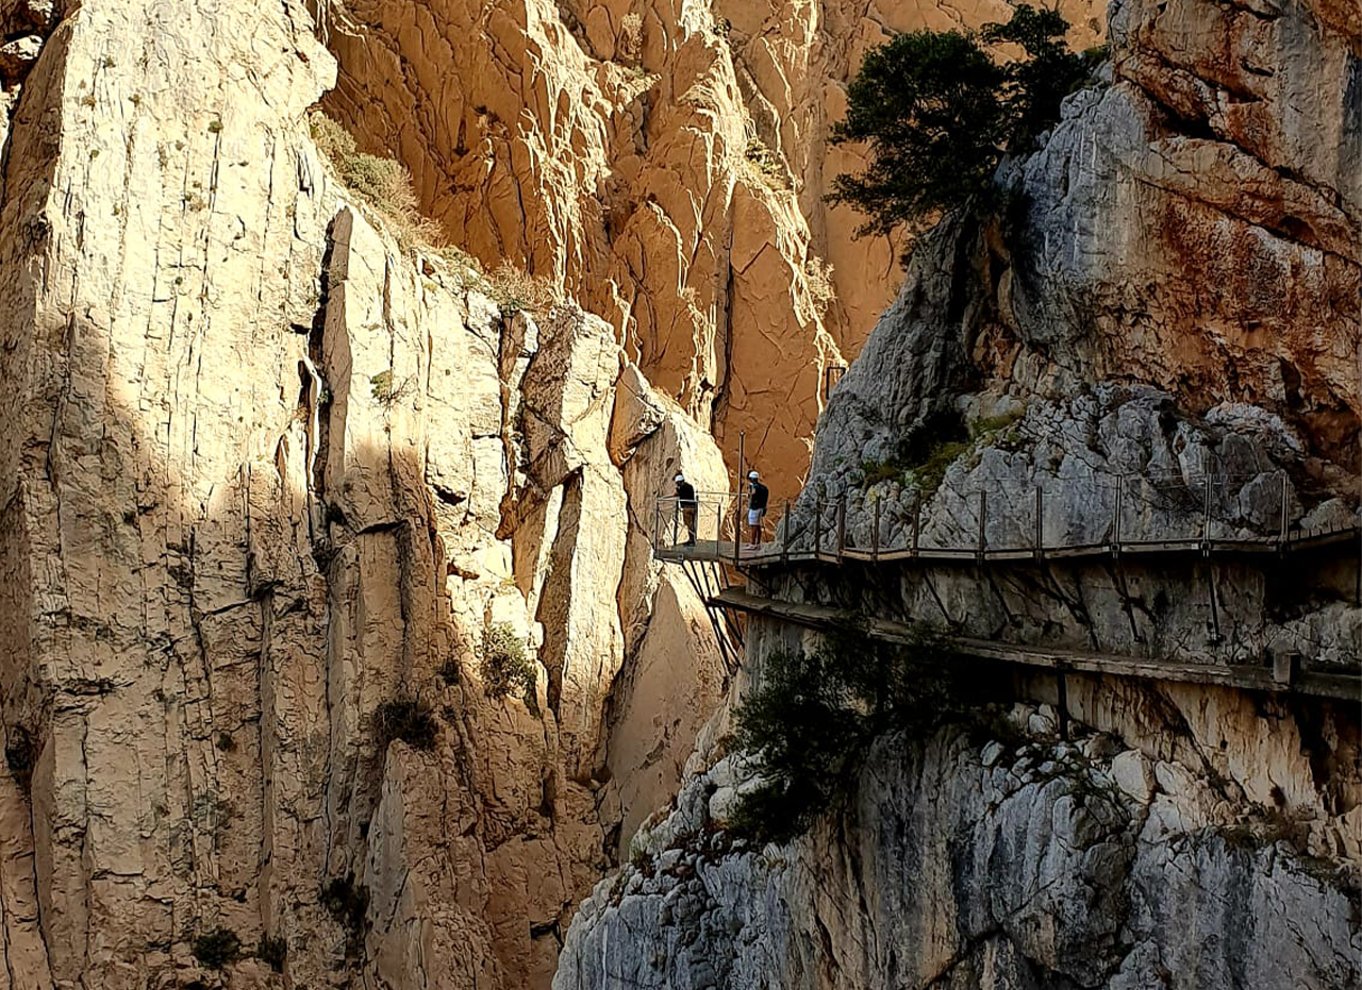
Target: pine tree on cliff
{"points": [[940, 112]]}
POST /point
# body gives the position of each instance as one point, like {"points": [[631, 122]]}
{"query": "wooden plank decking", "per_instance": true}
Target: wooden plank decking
{"points": [[1318, 683], [1265, 549]]}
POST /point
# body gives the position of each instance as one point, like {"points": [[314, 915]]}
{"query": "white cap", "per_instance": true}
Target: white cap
{"points": [[679, 477], [753, 475]]}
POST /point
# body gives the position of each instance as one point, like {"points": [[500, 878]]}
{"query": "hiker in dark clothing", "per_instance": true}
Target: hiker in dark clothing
{"points": [[758, 494], [686, 502]]}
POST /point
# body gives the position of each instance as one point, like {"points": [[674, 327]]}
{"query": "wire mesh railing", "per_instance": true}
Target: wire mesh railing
{"points": [[707, 520]]}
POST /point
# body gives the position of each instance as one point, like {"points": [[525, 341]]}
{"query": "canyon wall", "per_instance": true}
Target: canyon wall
{"points": [[280, 498], [1152, 848], [281, 492], [1192, 225], [1168, 310], [666, 164]]}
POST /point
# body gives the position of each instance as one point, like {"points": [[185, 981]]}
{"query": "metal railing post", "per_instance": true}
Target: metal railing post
{"points": [[737, 499], [817, 526], [1040, 521], [1206, 518], [1116, 515], [841, 524], [875, 534], [917, 520], [983, 520], [657, 522], [785, 534], [1281, 535]]}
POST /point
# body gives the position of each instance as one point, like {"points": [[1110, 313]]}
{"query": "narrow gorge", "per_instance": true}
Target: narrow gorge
{"points": [[343, 642]]}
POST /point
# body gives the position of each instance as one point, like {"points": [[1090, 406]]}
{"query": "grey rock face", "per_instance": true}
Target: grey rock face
{"points": [[956, 868], [1111, 465], [1170, 468], [1193, 224]]}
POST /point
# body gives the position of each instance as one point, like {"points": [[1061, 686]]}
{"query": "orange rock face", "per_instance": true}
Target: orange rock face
{"points": [[667, 165]]}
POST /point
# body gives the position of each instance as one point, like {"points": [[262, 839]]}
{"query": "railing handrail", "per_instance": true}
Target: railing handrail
{"points": [[1027, 517]]}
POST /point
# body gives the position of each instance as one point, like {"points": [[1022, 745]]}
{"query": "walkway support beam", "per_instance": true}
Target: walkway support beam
{"points": [[785, 534]]}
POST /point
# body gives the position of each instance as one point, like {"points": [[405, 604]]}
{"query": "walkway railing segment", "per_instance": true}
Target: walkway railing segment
{"points": [[1089, 517], [708, 521]]}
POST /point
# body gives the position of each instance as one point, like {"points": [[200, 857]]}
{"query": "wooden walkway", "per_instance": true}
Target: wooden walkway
{"points": [[1286, 677], [1264, 548]]}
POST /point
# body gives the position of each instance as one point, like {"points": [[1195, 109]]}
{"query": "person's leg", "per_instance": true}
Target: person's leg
{"points": [[690, 526]]}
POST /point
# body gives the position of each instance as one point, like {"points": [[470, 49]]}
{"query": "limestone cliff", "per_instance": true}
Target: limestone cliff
{"points": [[666, 163], [1136, 855], [278, 487], [1193, 224], [1158, 339], [273, 486]]}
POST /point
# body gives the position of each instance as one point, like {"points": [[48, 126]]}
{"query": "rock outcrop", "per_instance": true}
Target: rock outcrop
{"points": [[1161, 860], [1194, 224], [1159, 342], [273, 489]]}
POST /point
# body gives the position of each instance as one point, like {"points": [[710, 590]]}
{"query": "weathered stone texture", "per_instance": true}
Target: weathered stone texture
{"points": [[1193, 224], [260, 478], [666, 164], [1096, 863]]}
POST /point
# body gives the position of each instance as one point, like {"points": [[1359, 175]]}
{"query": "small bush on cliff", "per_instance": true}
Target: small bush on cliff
{"points": [[386, 186], [813, 715], [506, 667], [20, 754], [381, 182], [217, 948], [348, 903], [408, 719], [272, 951], [940, 111], [514, 289]]}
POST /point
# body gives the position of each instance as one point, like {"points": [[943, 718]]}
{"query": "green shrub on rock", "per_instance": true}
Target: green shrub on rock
{"points": [[812, 716], [940, 110], [408, 719], [506, 667]]}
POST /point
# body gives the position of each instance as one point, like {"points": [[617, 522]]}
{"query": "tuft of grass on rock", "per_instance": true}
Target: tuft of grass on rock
{"points": [[348, 903], [272, 951], [386, 187], [21, 753], [381, 182]]}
